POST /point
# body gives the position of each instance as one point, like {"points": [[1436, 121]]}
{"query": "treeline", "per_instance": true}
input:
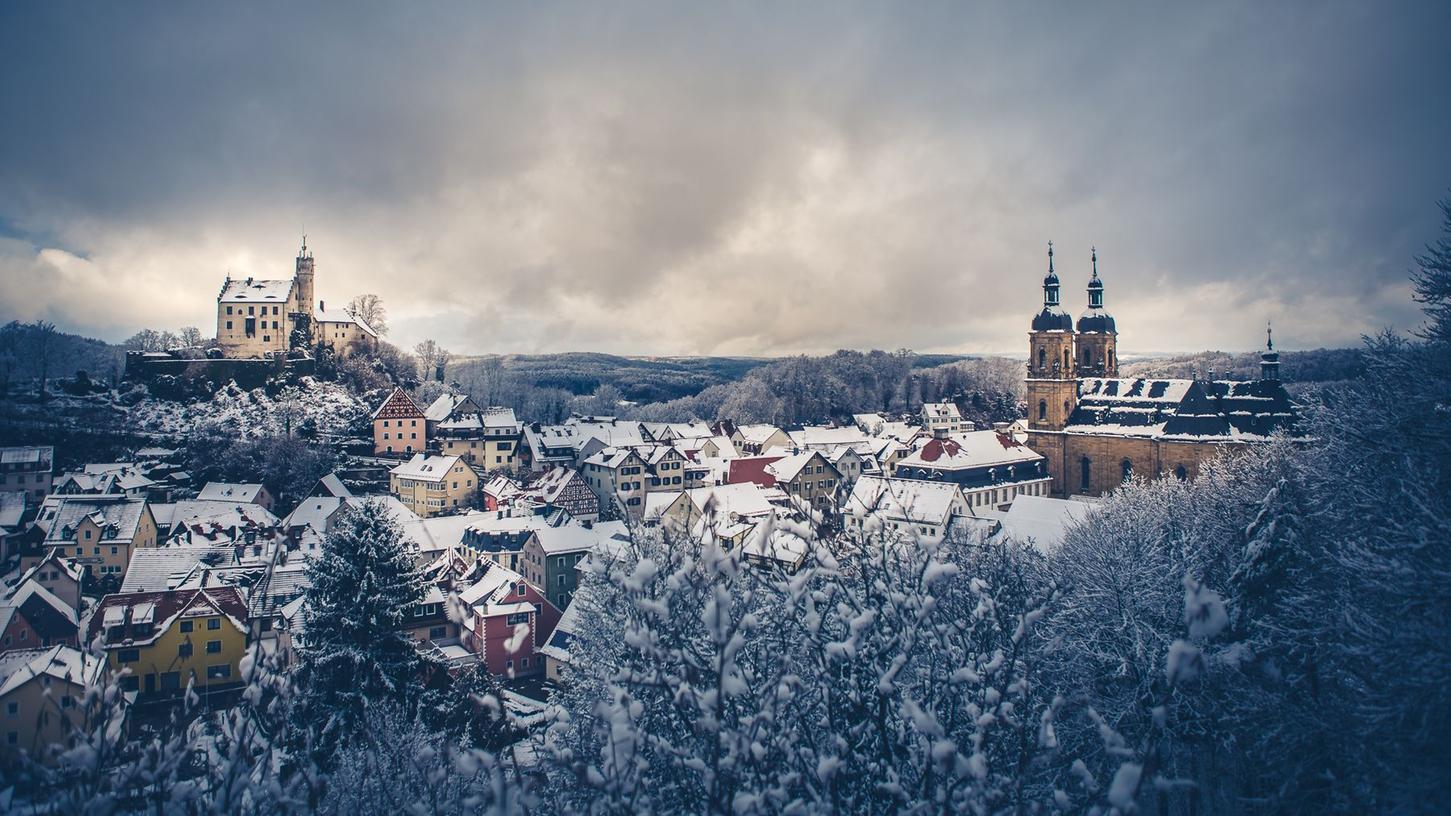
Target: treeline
{"points": [[638, 379], [38, 353], [1296, 367]]}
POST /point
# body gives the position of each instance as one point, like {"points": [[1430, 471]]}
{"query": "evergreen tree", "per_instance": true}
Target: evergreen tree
{"points": [[364, 585]]}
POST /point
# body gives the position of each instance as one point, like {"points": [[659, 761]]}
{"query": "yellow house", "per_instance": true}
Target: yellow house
{"points": [[430, 485], [98, 533], [42, 694], [170, 639]]}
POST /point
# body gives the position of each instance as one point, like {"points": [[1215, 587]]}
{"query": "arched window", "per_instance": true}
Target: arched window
{"points": [[1180, 473], [1127, 467], [1042, 410], [1042, 357], [1066, 412], [1085, 467], [1110, 358], [1065, 359], [1087, 358]]}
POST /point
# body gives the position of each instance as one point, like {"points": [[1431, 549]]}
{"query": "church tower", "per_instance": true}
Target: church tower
{"points": [[1097, 335], [1052, 383]]}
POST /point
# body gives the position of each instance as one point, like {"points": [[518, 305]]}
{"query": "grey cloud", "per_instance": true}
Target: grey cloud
{"points": [[664, 179]]}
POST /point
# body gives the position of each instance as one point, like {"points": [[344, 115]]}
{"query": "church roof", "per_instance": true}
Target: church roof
{"points": [[1182, 409], [1096, 321], [1052, 318]]}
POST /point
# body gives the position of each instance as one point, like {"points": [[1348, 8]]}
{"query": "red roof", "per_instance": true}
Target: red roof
{"points": [[398, 406], [751, 469], [165, 607]]}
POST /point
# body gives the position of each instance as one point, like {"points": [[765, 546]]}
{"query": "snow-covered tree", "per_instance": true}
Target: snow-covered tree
{"points": [[364, 583]]}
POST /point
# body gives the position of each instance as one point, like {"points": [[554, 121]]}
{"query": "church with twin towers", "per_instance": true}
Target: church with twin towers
{"points": [[1098, 430]]}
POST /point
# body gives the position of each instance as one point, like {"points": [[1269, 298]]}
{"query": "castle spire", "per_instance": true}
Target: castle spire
{"points": [[1095, 285], [1050, 283]]}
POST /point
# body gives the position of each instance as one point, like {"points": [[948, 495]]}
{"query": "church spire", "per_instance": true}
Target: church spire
{"points": [[1050, 283], [1095, 285]]}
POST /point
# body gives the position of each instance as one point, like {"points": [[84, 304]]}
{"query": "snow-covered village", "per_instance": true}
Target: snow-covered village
{"points": [[546, 455]]}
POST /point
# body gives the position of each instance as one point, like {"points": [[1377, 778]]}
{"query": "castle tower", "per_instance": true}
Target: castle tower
{"points": [[1052, 384], [306, 293], [1269, 358], [1097, 335]]}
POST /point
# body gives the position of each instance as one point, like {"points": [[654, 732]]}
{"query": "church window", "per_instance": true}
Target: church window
{"points": [[1066, 412], [1127, 467], [1085, 466], [1042, 409], [1042, 354], [1110, 358], [1087, 358], [1180, 473], [1065, 359]]}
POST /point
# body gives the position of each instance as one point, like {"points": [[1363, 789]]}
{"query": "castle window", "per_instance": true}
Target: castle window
{"points": [[274, 310], [1180, 473], [229, 310], [1042, 410], [229, 325], [1127, 467], [1085, 466]]}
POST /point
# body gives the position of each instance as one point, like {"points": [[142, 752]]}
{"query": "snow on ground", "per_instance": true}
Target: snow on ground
{"points": [[333, 409]]}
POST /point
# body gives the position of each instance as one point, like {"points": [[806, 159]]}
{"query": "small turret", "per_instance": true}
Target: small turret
{"points": [[1052, 318]]}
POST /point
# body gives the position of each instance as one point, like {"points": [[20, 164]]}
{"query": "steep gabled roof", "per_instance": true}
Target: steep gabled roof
{"points": [[252, 290], [398, 405], [64, 663], [116, 617]]}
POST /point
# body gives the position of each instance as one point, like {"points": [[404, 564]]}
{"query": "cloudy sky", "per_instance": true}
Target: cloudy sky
{"points": [[739, 178]]}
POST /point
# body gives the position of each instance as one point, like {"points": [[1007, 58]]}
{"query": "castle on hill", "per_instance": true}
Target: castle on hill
{"points": [[265, 318], [1097, 430]]}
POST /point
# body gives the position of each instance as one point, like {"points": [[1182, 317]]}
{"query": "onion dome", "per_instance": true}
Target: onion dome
{"points": [[1052, 318]]}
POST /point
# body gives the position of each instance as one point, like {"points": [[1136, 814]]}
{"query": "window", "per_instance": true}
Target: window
{"points": [[229, 325], [517, 618], [1042, 410], [128, 656], [523, 662], [1085, 467], [221, 672], [1180, 473], [437, 632], [214, 647], [88, 535], [12, 709], [1042, 357], [214, 623], [1128, 469], [183, 650], [521, 590], [229, 311], [1065, 359]]}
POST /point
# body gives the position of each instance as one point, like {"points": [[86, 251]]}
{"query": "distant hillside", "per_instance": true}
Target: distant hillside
{"points": [[1296, 367], [26, 351]]}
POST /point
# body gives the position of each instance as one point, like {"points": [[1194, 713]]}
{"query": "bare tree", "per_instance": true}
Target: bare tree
{"points": [[433, 359], [42, 344], [191, 336], [370, 309]]}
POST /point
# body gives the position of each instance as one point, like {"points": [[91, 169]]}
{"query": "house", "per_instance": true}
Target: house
{"points": [[341, 330], [751, 440], [32, 616], [751, 469], [61, 576], [173, 638], [991, 468], [500, 491], [429, 620], [556, 651], [124, 479], [240, 523], [870, 424], [505, 619], [824, 439], [808, 478], [550, 556], [42, 701], [926, 510], [448, 406], [14, 507], [225, 491], [99, 532], [430, 485], [399, 426], [944, 416], [566, 489], [490, 439], [501, 536], [27, 470], [547, 446], [617, 477]]}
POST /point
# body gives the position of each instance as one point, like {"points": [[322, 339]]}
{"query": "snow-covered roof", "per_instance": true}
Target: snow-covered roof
{"points": [[12, 508], [313, 512], [788, 467], [911, 500], [154, 569], [118, 518], [227, 491], [820, 438], [253, 290], [27, 455], [973, 449], [341, 315], [568, 538], [425, 468], [743, 500], [940, 410], [443, 407], [64, 663], [1043, 521], [757, 434]]}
